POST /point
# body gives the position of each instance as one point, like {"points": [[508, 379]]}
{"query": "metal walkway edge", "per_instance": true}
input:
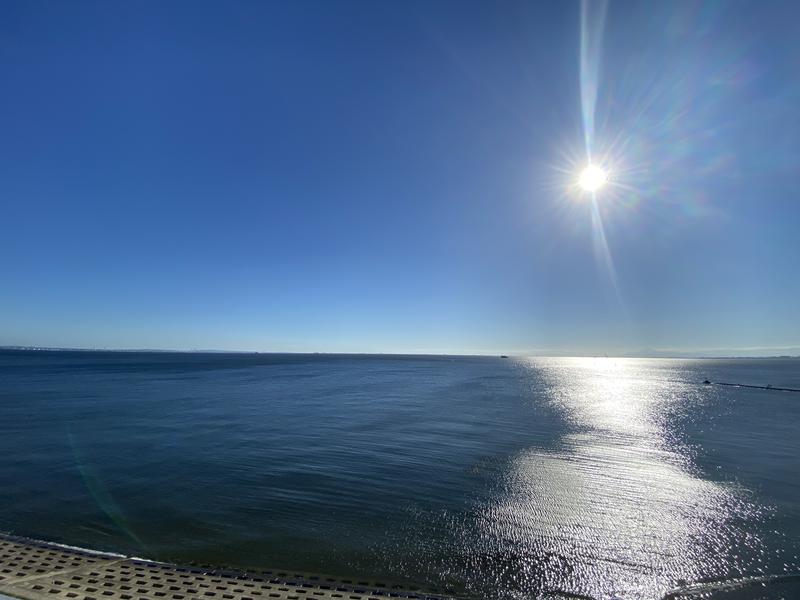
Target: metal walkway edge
{"points": [[34, 570]]}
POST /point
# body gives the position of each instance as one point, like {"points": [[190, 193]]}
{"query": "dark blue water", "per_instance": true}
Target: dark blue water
{"points": [[497, 478]]}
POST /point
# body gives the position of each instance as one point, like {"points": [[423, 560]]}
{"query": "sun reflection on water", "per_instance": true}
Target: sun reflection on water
{"points": [[616, 509]]}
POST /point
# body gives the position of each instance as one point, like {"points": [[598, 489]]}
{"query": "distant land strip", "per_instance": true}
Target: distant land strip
{"points": [[755, 387]]}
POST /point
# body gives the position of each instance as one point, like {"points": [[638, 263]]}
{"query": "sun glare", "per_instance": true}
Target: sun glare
{"points": [[592, 178]]}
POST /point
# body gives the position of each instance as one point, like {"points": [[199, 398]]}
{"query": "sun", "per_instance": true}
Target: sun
{"points": [[592, 178]]}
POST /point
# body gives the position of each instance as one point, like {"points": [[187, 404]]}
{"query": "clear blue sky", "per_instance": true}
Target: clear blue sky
{"points": [[399, 176]]}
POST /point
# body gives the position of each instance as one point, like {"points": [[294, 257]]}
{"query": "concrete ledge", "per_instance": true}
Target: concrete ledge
{"points": [[34, 570]]}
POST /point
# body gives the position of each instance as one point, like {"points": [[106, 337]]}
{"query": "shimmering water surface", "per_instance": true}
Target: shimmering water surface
{"points": [[496, 478]]}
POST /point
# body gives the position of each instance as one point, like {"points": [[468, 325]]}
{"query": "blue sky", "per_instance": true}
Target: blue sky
{"points": [[400, 176]]}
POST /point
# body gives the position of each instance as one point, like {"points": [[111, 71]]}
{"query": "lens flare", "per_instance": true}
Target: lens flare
{"points": [[592, 178]]}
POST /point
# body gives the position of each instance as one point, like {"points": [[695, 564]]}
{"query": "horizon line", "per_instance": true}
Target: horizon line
{"points": [[650, 353]]}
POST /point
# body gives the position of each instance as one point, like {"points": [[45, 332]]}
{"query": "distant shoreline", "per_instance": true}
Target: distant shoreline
{"points": [[313, 353]]}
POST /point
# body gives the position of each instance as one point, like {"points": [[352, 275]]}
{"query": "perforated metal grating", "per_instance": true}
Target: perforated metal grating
{"points": [[35, 570]]}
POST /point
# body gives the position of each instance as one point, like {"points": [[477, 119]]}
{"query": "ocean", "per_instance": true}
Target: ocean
{"points": [[488, 477]]}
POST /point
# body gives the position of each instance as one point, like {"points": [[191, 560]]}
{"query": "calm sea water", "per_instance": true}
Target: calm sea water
{"points": [[495, 478]]}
